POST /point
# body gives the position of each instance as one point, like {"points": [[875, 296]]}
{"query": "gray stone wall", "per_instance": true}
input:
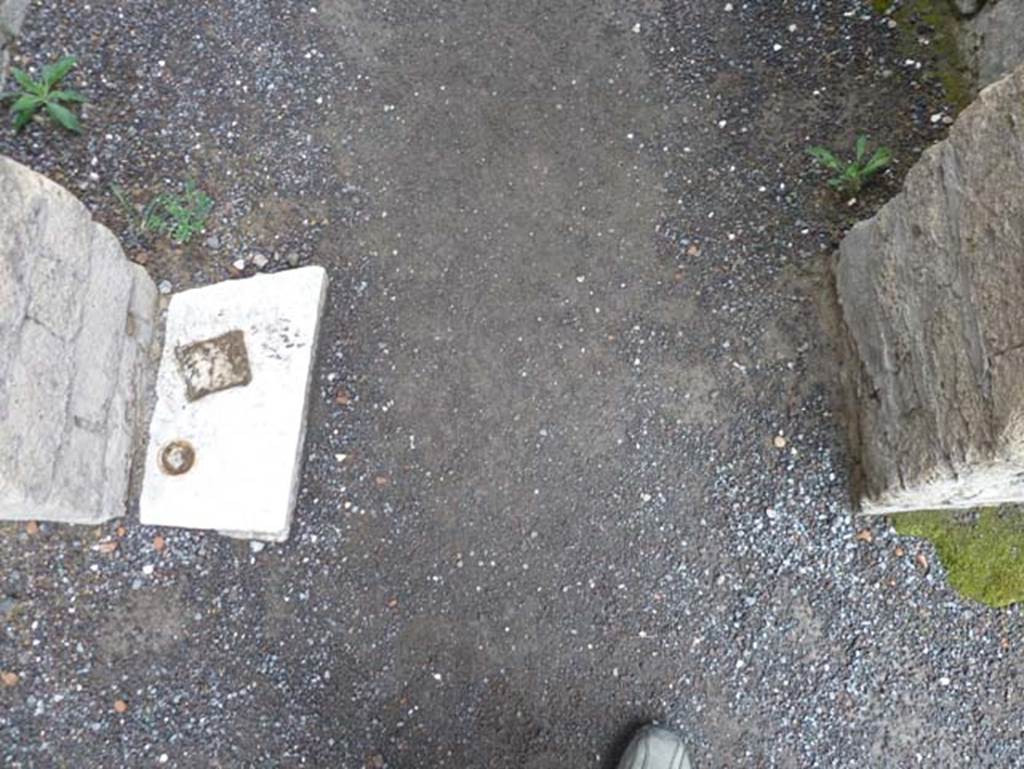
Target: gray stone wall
{"points": [[932, 291], [12, 15], [76, 328]]}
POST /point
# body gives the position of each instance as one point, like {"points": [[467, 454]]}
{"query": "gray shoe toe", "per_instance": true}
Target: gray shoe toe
{"points": [[653, 747]]}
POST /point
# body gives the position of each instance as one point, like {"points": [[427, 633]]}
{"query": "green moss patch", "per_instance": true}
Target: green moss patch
{"points": [[936, 20], [982, 551]]}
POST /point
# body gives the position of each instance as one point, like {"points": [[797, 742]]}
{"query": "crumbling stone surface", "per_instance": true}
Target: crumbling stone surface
{"points": [[932, 290], [76, 323]]}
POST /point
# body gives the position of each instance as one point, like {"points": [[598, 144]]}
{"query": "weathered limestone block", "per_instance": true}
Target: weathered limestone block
{"points": [[932, 295], [76, 324], [12, 14], [993, 40]]}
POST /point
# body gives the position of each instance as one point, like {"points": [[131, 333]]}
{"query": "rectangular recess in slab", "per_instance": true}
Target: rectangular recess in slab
{"points": [[214, 364], [230, 460]]}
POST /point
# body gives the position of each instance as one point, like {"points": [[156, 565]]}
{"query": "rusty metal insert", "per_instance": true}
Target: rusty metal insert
{"points": [[177, 457]]}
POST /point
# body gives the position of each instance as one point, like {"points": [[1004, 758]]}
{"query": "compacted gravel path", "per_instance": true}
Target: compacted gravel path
{"points": [[573, 460]]}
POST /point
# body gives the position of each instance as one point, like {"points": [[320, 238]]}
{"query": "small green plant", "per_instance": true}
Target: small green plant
{"points": [[851, 177], [43, 93], [126, 204], [178, 215]]}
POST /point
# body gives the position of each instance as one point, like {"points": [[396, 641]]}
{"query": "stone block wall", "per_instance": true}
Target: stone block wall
{"points": [[76, 328], [992, 37], [932, 296]]}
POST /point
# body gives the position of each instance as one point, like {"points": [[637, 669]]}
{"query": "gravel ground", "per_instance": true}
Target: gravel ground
{"points": [[576, 359]]}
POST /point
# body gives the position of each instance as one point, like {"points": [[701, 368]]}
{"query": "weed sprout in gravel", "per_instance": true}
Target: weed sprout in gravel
{"points": [[851, 177], [179, 215], [43, 94]]}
